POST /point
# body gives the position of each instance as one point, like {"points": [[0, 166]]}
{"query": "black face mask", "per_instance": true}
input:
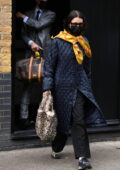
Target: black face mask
{"points": [[76, 30], [43, 5]]}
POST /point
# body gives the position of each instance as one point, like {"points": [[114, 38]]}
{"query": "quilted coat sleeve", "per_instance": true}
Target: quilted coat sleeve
{"points": [[50, 66], [87, 67], [87, 64]]}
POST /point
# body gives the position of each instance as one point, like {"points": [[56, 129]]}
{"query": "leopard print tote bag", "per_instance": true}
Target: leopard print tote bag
{"points": [[46, 120]]}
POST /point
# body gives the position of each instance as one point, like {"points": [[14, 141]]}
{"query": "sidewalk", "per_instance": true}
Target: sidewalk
{"points": [[105, 156]]}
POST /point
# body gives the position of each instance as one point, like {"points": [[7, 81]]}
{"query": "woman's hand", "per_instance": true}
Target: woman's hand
{"points": [[48, 92]]}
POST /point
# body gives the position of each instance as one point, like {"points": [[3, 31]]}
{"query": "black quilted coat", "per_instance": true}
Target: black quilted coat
{"points": [[64, 76]]}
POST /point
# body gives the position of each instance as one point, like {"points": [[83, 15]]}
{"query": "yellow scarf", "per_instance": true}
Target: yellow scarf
{"points": [[74, 40]]}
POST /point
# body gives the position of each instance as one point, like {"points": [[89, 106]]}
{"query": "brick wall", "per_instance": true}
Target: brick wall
{"points": [[5, 69]]}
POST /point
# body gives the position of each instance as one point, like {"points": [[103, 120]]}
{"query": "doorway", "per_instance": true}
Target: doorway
{"points": [[104, 35], [18, 53]]}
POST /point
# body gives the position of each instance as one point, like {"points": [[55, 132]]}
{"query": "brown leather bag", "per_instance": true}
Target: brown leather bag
{"points": [[30, 68]]}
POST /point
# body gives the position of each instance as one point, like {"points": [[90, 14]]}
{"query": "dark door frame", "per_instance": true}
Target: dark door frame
{"points": [[113, 125]]}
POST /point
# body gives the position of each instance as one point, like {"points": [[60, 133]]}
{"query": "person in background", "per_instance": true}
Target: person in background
{"points": [[67, 76], [36, 29]]}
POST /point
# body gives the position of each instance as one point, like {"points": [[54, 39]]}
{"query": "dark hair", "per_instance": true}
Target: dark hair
{"points": [[74, 14]]}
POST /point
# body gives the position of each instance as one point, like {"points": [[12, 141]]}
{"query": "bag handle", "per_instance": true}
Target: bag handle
{"points": [[40, 69], [30, 69]]}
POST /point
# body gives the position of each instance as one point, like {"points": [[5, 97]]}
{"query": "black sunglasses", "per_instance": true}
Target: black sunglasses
{"points": [[76, 24]]}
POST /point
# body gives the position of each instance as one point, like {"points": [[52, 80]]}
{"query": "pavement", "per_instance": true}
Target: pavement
{"points": [[105, 156]]}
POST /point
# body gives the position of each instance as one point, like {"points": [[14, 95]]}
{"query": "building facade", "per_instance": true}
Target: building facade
{"points": [[104, 35]]}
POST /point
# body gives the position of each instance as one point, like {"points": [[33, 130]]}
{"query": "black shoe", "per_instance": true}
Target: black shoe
{"points": [[84, 164], [56, 155]]}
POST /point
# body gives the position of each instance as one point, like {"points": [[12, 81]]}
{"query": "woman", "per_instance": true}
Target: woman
{"points": [[67, 75]]}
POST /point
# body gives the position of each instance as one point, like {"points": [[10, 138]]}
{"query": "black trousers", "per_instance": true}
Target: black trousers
{"points": [[79, 133]]}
